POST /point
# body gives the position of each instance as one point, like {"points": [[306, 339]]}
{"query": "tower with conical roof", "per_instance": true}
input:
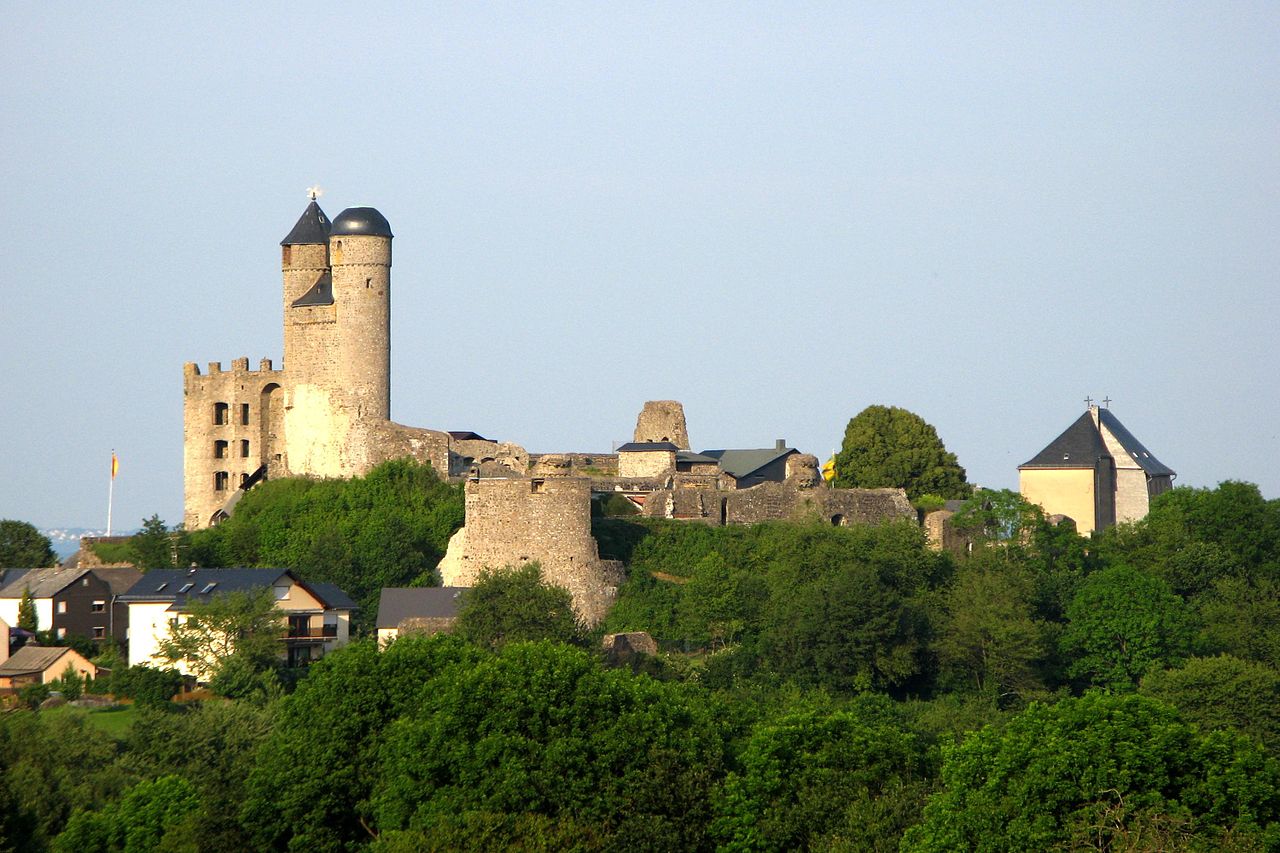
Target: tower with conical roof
{"points": [[337, 339]]}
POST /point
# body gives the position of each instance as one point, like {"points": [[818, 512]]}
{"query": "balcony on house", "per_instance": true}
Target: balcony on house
{"points": [[301, 628]]}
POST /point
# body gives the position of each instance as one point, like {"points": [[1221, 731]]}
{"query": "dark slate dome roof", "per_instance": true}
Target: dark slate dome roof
{"points": [[312, 228], [361, 221]]}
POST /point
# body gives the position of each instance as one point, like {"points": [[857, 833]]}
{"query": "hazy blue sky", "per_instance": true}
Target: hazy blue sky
{"points": [[776, 213]]}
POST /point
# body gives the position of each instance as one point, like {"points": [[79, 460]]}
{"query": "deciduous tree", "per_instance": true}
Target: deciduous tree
{"points": [[513, 604], [24, 547], [885, 446], [237, 623]]}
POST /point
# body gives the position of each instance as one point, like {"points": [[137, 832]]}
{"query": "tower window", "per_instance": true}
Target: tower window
{"points": [[538, 486], [244, 414], [244, 478], [244, 448], [286, 256], [219, 449], [221, 414], [220, 481]]}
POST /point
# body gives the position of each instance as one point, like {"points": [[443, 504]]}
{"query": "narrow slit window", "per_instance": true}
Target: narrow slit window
{"points": [[244, 414], [244, 448]]}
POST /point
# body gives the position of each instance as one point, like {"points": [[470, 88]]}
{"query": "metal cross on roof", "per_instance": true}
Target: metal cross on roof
{"points": [[1088, 401], [1106, 401]]}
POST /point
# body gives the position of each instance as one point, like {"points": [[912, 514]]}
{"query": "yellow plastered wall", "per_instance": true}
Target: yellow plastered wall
{"points": [[1066, 491]]}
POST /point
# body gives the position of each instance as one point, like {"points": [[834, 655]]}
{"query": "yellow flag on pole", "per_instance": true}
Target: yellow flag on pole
{"points": [[115, 464]]}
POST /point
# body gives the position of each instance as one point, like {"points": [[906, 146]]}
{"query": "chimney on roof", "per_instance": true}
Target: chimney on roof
{"points": [[780, 444]]}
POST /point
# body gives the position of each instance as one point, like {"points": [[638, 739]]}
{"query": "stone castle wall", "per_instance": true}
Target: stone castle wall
{"points": [[232, 425], [662, 420], [515, 521], [650, 464]]}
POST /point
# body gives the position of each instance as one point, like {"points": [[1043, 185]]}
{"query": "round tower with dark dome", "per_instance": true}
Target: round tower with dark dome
{"points": [[337, 339], [360, 260]]}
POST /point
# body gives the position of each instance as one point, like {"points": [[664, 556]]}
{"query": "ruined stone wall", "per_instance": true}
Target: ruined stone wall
{"points": [[790, 501], [647, 463], [942, 534], [662, 420], [387, 440], [511, 522], [585, 464], [232, 424]]}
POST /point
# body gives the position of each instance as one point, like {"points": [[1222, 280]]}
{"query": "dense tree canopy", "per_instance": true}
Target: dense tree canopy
{"points": [[514, 604], [388, 528], [24, 547], [885, 446], [1092, 771]]}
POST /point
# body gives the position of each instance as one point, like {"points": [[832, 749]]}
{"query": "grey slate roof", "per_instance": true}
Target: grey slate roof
{"points": [[647, 446], [744, 463], [361, 221], [29, 659], [396, 604], [690, 456], [320, 293], [311, 228], [1079, 446], [1153, 466], [332, 595], [42, 582], [167, 584]]}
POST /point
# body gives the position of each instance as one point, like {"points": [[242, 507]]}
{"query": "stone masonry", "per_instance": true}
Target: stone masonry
{"points": [[662, 420], [518, 520]]}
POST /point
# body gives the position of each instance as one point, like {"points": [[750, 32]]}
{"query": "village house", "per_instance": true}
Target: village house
{"points": [[417, 610], [316, 617], [40, 665], [71, 602]]}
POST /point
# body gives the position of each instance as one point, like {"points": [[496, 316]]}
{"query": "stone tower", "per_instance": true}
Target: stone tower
{"points": [[337, 297], [662, 420], [326, 412]]}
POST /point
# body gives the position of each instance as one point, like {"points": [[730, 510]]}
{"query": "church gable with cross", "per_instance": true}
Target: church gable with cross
{"points": [[1095, 472]]}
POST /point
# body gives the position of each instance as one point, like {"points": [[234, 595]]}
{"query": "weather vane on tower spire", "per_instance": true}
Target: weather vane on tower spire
{"points": [[314, 192]]}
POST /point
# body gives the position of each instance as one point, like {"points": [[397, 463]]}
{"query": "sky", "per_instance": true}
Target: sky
{"points": [[778, 214]]}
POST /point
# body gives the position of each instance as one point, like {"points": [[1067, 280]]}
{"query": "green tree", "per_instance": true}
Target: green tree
{"points": [[853, 779], [311, 780], [151, 816], [24, 547], [513, 604], [213, 747], [1122, 623], [1222, 691], [998, 515], [147, 686], [988, 640], [885, 446], [28, 618], [1044, 780], [232, 625], [543, 728], [156, 546], [386, 529], [1242, 618], [70, 684]]}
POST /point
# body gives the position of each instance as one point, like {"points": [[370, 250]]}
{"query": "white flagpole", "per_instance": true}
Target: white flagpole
{"points": [[111, 490]]}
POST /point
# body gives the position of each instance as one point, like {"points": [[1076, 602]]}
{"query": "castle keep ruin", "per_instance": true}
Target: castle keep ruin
{"points": [[327, 411]]}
